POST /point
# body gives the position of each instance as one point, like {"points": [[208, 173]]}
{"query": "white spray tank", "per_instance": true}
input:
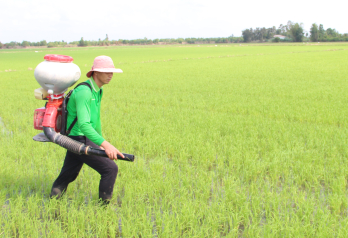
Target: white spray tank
{"points": [[55, 75]]}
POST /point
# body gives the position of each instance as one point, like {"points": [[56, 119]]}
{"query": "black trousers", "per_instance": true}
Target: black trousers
{"points": [[73, 164]]}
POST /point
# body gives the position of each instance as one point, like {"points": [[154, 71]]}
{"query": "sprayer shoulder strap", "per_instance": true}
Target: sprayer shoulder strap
{"points": [[75, 120]]}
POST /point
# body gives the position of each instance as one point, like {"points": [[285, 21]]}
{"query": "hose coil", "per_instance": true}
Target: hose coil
{"points": [[70, 144]]}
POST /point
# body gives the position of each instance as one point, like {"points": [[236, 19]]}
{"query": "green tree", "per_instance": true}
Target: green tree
{"points": [[12, 44], [322, 31], [247, 35], [296, 31], [43, 43], [331, 32], [106, 40], [270, 32], [314, 32], [277, 39], [259, 34], [51, 44], [82, 42], [1, 45], [25, 43]]}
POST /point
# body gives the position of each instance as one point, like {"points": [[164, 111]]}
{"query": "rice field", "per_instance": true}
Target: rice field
{"points": [[230, 141]]}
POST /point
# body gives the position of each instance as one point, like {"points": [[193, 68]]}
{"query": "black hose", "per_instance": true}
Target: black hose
{"points": [[78, 147]]}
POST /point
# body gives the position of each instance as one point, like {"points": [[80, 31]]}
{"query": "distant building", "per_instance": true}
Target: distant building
{"points": [[280, 37]]}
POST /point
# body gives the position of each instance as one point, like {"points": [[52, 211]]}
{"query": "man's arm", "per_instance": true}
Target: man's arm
{"points": [[83, 101]]}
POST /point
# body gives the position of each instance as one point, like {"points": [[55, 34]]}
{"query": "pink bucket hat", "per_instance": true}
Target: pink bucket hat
{"points": [[103, 64]]}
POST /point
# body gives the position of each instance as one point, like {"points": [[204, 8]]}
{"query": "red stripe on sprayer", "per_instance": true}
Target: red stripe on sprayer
{"points": [[59, 58]]}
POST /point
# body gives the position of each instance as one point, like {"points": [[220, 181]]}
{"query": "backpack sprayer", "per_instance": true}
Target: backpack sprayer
{"points": [[55, 75]]}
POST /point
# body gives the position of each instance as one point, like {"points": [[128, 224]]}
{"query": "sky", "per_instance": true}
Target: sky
{"points": [[69, 20]]}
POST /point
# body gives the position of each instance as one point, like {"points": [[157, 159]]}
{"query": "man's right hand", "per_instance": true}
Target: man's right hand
{"points": [[111, 151]]}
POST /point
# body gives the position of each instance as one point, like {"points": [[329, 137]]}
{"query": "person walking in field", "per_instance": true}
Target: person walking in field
{"points": [[84, 118]]}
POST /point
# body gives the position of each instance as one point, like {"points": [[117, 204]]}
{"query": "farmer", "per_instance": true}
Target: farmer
{"points": [[84, 104]]}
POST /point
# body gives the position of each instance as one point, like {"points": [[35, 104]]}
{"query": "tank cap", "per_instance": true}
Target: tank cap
{"points": [[59, 58]]}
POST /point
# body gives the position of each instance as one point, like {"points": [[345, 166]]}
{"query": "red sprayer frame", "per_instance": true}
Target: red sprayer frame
{"points": [[51, 115]]}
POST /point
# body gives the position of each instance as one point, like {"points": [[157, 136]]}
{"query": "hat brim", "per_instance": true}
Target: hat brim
{"points": [[107, 70]]}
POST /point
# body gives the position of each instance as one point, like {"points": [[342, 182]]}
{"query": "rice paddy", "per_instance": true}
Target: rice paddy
{"points": [[230, 141]]}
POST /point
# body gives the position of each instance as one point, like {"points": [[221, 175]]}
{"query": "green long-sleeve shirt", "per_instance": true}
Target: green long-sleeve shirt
{"points": [[86, 106]]}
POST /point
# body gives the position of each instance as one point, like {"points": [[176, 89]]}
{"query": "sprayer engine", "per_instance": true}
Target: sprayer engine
{"points": [[55, 75], [51, 115]]}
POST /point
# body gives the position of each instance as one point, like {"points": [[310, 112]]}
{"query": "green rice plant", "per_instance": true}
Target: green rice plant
{"points": [[230, 141]]}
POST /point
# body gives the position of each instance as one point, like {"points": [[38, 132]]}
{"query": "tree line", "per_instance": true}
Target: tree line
{"points": [[24, 44], [318, 33], [107, 42], [146, 41], [293, 32]]}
